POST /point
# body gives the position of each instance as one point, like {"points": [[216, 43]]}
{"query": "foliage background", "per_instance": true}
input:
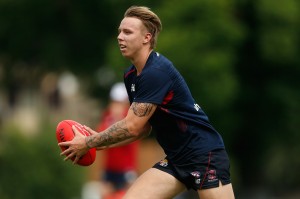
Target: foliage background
{"points": [[240, 58]]}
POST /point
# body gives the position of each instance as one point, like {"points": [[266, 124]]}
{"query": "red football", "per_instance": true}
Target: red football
{"points": [[65, 133]]}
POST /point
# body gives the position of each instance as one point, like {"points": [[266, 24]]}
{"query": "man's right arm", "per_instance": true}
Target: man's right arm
{"points": [[131, 128]]}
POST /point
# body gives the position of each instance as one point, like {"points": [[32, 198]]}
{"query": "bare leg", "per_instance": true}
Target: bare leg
{"points": [[221, 192], [155, 184]]}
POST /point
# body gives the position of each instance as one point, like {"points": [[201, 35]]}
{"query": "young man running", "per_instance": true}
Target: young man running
{"points": [[160, 98]]}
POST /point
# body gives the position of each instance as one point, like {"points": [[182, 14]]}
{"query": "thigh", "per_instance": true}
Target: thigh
{"points": [[155, 183], [221, 192]]}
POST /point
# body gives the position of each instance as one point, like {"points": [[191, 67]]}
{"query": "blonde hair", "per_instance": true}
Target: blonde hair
{"points": [[150, 20]]}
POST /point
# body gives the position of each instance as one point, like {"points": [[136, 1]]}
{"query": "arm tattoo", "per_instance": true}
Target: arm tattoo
{"points": [[141, 109], [116, 133]]}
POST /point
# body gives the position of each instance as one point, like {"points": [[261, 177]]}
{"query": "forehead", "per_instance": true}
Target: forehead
{"points": [[131, 23]]}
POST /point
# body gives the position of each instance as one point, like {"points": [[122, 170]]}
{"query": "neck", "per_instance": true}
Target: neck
{"points": [[140, 60]]}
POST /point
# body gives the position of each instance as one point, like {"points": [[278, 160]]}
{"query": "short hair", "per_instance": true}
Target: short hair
{"points": [[150, 20]]}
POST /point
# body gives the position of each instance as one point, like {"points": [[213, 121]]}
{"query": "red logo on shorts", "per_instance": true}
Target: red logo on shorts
{"points": [[212, 175]]}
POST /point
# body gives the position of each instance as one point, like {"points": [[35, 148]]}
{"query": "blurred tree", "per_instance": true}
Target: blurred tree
{"points": [[55, 34], [30, 167], [269, 74], [39, 36]]}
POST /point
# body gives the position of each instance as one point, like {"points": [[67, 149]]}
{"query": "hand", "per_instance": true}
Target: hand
{"points": [[76, 147]]}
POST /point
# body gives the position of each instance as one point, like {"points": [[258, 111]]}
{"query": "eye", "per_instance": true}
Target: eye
{"points": [[127, 31]]}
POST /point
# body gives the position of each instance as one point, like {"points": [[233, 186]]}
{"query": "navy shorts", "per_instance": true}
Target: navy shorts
{"points": [[202, 172]]}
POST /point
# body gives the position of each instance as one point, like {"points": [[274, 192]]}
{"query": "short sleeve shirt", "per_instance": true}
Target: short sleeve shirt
{"points": [[181, 126]]}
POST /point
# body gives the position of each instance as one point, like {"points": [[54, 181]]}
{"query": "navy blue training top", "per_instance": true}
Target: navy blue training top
{"points": [[182, 128]]}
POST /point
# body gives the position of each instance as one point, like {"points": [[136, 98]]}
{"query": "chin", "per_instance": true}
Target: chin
{"points": [[126, 55]]}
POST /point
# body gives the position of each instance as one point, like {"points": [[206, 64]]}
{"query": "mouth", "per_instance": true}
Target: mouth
{"points": [[122, 47]]}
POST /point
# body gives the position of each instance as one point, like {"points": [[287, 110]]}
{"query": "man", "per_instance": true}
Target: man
{"points": [[160, 98]]}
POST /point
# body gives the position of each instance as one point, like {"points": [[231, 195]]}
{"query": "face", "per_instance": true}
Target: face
{"points": [[132, 37]]}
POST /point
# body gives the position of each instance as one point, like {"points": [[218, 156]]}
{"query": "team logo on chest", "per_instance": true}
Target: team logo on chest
{"points": [[132, 88]]}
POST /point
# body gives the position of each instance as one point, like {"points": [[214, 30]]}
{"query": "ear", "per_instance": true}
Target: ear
{"points": [[147, 38]]}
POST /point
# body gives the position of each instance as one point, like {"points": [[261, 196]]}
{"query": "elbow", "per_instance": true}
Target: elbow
{"points": [[138, 130]]}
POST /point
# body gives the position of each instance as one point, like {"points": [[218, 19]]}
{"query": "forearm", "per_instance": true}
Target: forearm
{"points": [[116, 135], [144, 134], [125, 142]]}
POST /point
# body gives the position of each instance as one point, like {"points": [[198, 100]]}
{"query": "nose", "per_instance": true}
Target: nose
{"points": [[119, 37]]}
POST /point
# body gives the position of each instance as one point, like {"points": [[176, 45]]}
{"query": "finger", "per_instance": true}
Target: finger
{"points": [[65, 144], [70, 156], [76, 159], [88, 129], [65, 152], [91, 132]]}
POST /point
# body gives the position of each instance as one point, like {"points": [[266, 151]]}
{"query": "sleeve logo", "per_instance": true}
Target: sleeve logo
{"points": [[197, 107], [132, 88]]}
